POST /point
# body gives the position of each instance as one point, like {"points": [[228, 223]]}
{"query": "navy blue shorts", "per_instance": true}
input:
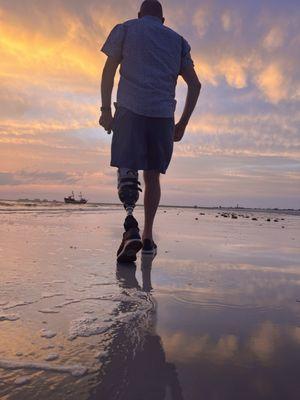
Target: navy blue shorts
{"points": [[140, 142]]}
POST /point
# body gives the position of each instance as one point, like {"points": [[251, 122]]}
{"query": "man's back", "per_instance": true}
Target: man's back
{"points": [[152, 56]]}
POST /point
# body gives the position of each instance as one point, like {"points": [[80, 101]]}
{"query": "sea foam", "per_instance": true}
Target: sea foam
{"points": [[76, 370]]}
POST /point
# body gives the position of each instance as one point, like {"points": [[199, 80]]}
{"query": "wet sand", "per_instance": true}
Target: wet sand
{"points": [[215, 316]]}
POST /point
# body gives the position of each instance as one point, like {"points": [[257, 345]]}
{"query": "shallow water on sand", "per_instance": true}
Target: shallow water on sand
{"points": [[216, 315]]}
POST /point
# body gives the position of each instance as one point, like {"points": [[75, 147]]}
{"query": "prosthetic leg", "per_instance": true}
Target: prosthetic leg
{"points": [[128, 190]]}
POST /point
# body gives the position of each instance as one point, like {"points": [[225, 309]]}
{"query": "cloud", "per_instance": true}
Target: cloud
{"points": [[259, 134], [201, 20], [27, 54], [233, 72], [7, 178], [13, 105], [38, 178], [231, 21], [226, 21], [273, 83], [274, 39]]}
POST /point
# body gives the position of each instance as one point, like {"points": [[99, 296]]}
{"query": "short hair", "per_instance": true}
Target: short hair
{"points": [[151, 7]]}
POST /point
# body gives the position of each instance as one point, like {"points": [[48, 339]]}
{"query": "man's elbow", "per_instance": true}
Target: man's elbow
{"points": [[195, 85], [198, 86]]}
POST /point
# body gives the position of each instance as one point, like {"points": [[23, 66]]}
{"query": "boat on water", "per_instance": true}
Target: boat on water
{"points": [[71, 199]]}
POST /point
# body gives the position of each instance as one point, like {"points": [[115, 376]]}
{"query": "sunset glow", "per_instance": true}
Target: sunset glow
{"points": [[242, 145]]}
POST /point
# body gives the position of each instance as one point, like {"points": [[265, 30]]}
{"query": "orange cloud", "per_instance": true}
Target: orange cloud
{"points": [[201, 20], [28, 53], [274, 39], [273, 83]]}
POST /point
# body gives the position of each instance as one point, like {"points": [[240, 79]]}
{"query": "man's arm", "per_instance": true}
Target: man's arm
{"points": [[194, 86], [107, 84]]}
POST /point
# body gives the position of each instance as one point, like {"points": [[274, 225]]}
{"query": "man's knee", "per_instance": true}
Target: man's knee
{"points": [[151, 177]]}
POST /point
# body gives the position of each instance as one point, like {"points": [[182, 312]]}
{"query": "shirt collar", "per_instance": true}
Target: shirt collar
{"points": [[152, 18]]}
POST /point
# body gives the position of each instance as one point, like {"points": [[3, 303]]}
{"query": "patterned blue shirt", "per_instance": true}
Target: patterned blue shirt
{"points": [[151, 56]]}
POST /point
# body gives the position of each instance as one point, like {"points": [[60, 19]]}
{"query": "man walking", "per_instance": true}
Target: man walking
{"points": [[151, 57]]}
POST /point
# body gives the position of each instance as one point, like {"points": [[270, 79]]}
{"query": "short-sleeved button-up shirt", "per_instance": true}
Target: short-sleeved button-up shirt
{"points": [[151, 56]]}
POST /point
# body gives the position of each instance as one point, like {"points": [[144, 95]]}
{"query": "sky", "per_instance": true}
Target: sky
{"points": [[243, 142]]}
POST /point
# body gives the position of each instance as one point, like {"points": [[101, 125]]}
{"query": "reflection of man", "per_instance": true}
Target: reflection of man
{"points": [[151, 57], [135, 367]]}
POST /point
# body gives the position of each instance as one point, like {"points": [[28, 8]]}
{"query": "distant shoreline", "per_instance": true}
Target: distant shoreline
{"points": [[213, 208]]}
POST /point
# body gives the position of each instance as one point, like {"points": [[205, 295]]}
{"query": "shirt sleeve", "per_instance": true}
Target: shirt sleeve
{"points": [[186, 58], [113, 45]]}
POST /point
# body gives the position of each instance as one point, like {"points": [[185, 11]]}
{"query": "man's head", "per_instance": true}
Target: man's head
{"points": [[153, 8]]}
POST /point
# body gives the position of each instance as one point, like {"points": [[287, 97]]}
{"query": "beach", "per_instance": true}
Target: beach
{"points": [[215, 315]]}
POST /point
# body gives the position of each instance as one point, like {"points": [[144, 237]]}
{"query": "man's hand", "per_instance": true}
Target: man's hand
{"points": [[179, 131], [106, 120]]}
